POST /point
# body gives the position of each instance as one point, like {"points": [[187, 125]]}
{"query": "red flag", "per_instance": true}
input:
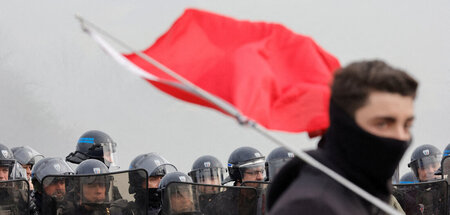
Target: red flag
{"points": [[272, 75]]}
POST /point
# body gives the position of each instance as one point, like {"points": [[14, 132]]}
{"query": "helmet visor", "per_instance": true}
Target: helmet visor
{"points": [[424, 168], [95, 190], [180, 199], [253, 171], [27, 155], [18, 172], [212, 176], [110, 156], [163, 169], [275, 166]]}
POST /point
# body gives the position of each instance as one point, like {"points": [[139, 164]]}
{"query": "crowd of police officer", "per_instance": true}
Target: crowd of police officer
{"points": [[33, 184]]}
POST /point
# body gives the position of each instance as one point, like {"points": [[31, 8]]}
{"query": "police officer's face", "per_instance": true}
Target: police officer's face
{"points": [[427, 172], [57, 189], [27, 167], [153, 181], [387, 115], [4, 172], [94, 192], [253, 174], [182, 201]]}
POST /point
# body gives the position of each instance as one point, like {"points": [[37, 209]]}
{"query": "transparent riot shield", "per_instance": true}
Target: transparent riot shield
{"points": [[190, 198], [108, 193], [422, 198], [261, 188], [14, 197]]}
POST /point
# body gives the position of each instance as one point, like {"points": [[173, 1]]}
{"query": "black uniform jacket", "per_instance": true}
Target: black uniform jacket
{"points": [[312, 192]]}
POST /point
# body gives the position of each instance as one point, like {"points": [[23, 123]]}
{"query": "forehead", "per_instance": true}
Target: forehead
{"points": [[383, 104]]}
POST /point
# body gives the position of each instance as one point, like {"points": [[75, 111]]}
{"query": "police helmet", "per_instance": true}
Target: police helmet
{"points": [[94, 145], [26, 155], [46, 167], [173, 177], [241, 159], [425, 161], [408, 178], [91, 166], [7, 160], [207, 169], [153, 164], [276, 159]]}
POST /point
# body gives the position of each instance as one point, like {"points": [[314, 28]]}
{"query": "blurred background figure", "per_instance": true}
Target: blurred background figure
{"points": [[425, 161], [27, 157], [276, 160], [245, 164], [95, 145]]}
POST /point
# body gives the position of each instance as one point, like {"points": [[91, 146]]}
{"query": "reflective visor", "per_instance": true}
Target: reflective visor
{"points": [[110, 156], [212, 176], [275, 166]]}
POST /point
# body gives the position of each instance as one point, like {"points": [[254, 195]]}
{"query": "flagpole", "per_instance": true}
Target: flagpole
{"points": [[224, 105], [228, 108]]}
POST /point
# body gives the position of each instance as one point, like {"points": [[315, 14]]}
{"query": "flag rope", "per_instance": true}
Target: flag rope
{"points": [[92, 30]]}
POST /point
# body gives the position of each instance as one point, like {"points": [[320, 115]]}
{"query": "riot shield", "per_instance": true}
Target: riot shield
{"points": [[107, 193], [14, 197], [261, 188], [422, 198], [190, 198]]}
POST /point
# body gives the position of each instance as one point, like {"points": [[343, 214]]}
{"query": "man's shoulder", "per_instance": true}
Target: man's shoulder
{"points": [[312, 192]]}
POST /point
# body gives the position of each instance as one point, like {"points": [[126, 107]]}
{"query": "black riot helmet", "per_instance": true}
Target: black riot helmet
{"points": [[173, 177], [26, 155], [91, 166], [425, 161], [408, 178], [207, 169], [95, 145], [275, 160], [153, 164], [48, 166], [243, 159]]}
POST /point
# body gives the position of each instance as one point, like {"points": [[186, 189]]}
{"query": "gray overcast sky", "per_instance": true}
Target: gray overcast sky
{"points": [[56, 83]]}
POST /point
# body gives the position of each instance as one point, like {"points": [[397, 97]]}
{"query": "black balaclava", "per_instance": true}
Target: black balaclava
{"points": [[365, 159]]}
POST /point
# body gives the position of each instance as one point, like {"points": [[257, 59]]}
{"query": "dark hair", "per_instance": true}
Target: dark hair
{"points": [[353, 83]]}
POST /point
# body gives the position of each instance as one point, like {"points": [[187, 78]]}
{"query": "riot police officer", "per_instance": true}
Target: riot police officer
{"points": [[179, 198], [156, 167], [27, 157], [246, 164], [207, 169], [6, 162], [275, 160], [95, 145], [425, 161], [51, 189]]}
